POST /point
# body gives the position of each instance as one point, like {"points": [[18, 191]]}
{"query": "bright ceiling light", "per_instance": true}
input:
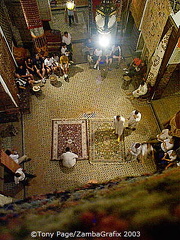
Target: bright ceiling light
{"points": [[104, 40]]}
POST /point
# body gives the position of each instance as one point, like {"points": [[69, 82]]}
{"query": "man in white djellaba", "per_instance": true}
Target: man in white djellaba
{"points": [[134, 118], [119, 126], [142, 90], [68, 158]]}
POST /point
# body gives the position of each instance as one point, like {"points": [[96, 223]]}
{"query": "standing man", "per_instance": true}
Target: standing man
{"points": [[119, 126], [66, 38], [134, 118], [70, 8], [68, 158]]}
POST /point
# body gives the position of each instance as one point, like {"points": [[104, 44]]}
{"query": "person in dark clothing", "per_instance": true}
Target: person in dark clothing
{"points": [[22, 72], [39, 66]]}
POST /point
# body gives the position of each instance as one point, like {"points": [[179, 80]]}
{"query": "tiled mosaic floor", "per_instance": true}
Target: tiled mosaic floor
{"points": [[84, 93]]}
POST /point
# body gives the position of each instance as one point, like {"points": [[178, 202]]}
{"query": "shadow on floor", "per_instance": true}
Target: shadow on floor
{"points": [[74, 70], [64, 169]]}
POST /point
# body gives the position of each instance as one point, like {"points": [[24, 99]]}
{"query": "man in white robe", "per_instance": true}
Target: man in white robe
{"points": [[134, 151], [119, 126], [68, 158], [165, 134], [134, 118], [142, 90]]}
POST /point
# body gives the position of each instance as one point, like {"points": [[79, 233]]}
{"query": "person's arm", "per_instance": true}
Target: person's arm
{"points": [[35, 67], [28, 67], [75, 155]]}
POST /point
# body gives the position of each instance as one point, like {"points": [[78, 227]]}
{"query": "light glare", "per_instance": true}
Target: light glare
{"points": [[104, 40]]}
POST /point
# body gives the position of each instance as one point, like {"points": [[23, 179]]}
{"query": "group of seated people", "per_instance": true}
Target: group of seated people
{"points": [[136, 68], [167, 150], [41, 66], [33, 68], [136, 72], [164, 150], [100, 55]]}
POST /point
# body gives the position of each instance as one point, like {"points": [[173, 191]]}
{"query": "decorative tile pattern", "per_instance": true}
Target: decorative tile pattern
{"points": [[69, 133]]}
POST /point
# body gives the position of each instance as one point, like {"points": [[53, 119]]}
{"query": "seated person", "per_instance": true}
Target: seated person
{"points": [[134, 152], [55, 62], [68, 158], [22, 72], [55, 59], [48, 65], [97, 57], [89, 47], [39, 66], [64, 65], [116, 52], [65, 51], [165, 134], [133, 67], [167, 144], [142, 90], [29, 65], [168, 159], [108, 57], [136, 62], [22, 83], [15, 156], [21, 176], [141, 69], [63, 48]]}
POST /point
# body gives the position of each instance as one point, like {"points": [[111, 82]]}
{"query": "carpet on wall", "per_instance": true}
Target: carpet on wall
{"points": [[69, 133], [104, 146]]}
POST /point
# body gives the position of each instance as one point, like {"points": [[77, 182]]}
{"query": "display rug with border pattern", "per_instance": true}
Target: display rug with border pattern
{"points": [[69, 133], [103, 146]]}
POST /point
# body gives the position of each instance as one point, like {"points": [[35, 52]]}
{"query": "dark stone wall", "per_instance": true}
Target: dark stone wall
{"points": [[18, 20], [5, 23]]}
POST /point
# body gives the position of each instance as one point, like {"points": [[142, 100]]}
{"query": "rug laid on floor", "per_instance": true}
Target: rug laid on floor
{"points": [[69, 133], [104, 146]]}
